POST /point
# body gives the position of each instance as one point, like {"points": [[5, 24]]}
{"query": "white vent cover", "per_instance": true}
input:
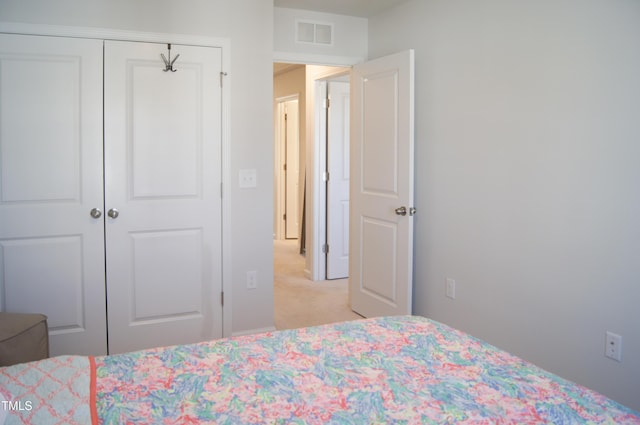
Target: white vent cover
{"points": [[314, 33]]}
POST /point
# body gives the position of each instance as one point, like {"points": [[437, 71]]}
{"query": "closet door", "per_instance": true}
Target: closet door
{"points": [[162, 194], [51, 187]]}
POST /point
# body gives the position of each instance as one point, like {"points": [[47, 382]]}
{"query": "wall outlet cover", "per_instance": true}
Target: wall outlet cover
{"points": [[248, 178]]}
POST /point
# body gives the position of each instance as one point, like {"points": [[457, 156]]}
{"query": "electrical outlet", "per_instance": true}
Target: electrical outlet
{"points": [[248, 178], [450, 289], [252, 280], [613, 346]]}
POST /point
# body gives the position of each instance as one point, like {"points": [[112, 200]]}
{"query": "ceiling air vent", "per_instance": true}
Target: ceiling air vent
{"points": [[314, 33]]}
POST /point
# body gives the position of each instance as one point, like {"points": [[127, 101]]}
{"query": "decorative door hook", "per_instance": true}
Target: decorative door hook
{"points": [[168, 63]]}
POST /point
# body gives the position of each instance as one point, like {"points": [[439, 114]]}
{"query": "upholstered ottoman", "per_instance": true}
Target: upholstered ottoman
{"points": [[23, 338]]}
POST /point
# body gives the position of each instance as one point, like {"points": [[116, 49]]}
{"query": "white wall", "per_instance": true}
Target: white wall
{"points": [[349, 38], [248, 24], [528, 176]]}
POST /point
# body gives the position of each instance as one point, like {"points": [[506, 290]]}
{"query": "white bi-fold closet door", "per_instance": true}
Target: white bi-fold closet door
{"points": [[110, 205], [51, 177], [163, 174]]}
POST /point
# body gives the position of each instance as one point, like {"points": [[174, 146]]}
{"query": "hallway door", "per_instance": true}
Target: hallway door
{"points": [[338, 180], [380, 275], [291, 168]]}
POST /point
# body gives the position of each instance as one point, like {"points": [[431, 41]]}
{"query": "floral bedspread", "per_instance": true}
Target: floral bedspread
{"points": [[404, 370]]}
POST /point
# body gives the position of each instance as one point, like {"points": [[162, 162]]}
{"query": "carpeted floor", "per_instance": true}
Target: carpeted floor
{"points": [[300, 302]]}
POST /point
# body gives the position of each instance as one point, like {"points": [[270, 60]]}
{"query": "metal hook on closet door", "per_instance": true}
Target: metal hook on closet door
{"points": [[168, 63]]}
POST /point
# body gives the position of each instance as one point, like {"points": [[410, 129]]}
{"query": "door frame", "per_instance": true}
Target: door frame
{"points": [[149, 37]]}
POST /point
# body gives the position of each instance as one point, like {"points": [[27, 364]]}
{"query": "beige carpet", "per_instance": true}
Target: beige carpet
{"points": [[300, 302]]}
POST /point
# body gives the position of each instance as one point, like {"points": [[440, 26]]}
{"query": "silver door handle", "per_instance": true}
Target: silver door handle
{"points": [[113, 213], [96, 213], [401, 211]]}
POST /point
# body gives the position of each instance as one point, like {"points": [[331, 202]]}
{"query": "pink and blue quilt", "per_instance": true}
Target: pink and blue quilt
{"points": [[393, 370], [403, 370]]}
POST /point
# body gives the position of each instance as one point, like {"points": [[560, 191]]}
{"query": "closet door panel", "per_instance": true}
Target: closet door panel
{"points": [[51, 177], [27, 148], [166, 140], [163, 159]]}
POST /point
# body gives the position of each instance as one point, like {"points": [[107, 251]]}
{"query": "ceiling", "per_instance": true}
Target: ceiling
{"points": [[361, 8]]}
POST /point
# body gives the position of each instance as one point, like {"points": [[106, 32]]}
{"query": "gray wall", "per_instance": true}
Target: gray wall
{"points": [[528, 176]]}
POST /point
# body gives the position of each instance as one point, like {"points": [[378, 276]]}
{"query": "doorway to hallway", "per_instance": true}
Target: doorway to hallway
{"points": [[300, 265], [301, 302]]}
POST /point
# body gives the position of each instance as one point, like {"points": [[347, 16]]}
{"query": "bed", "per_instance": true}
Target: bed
{"points": [[404, 370]]}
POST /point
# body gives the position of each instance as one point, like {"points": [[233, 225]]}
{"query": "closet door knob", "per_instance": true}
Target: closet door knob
{"points": [[96, 213], [401, 211], [113, 213]]}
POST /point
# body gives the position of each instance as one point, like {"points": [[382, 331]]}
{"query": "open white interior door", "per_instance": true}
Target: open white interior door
{"points": [[292, 142], [382, 130], [338, 181]]}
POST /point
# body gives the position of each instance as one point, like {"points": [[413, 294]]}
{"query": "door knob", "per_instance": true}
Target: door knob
{"points": [[96, 213], [113, 213], [401, 211]]}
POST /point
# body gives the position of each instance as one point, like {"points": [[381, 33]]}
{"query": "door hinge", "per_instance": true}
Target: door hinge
{"points": [[326, 103], [221, 190], [285, 167], [222, 298], [285, 117], [284, 217], [325, 176], [222, 75], [325, 248]]}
